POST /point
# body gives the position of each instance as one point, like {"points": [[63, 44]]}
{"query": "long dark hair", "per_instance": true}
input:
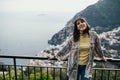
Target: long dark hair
{"points": [[76, 32]]}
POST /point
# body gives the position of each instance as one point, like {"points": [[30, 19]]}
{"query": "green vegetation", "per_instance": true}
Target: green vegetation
{"points": [[105, 74], [35, 73], [43, 73], [40, 76]]}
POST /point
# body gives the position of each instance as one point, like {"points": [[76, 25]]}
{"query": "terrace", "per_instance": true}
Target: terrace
{"points": [[25, 72]]}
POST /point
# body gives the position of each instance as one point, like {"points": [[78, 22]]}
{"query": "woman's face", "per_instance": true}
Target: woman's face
{"points": [[81, 25]]}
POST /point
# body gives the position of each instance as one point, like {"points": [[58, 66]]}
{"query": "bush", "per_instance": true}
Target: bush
{"points": [[40, 76]]}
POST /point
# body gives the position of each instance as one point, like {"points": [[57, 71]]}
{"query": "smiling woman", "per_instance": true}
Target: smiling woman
{"points": [[45, 5]]}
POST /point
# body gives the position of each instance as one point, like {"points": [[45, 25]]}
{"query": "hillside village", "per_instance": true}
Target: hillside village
{"points": [[111, 43]]}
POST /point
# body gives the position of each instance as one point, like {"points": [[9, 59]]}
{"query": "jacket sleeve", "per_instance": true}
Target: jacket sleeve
{"points": [[98, 50], [63, 54]]}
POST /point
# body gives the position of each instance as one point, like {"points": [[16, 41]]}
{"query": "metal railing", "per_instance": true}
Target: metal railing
{"points": [[106, 74], [32, 72], [17, 72]]}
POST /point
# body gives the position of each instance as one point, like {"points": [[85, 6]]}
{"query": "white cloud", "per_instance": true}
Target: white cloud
{"points": [[44, 5]]}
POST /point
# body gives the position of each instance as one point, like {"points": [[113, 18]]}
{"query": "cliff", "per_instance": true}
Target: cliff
{"points": [[102, 16]]}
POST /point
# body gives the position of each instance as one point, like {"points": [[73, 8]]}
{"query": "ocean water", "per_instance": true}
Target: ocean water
{"points": [[27, 33]]}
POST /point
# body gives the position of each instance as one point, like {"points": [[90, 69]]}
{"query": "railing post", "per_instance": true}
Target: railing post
{"points": [[28, 72], [115, 78], [41, 73], [3, 72], [34, 73], [22, 72], [15, 69], [60, 74], [95, 75], [101, 74], [67, 75], [53, 73], [9, 72], [47, 73], [108, 74]]}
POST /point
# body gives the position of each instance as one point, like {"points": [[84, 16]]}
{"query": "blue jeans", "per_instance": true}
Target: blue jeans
{"points": [[81, 72]]}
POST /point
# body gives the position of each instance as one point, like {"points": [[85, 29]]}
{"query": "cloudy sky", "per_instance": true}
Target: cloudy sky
{"points": [[45, 5]]}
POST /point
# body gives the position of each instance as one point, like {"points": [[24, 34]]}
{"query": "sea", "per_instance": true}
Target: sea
{"points": [[27, 33]]}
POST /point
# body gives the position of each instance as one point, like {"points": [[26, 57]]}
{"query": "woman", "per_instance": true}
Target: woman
{"points": [[80, 49]]}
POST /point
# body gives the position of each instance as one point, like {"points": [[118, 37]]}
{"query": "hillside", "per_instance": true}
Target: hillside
{"points": [[102, 16]]}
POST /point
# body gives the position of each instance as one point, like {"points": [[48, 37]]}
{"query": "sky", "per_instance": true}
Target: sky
{"points": [[44, 5]]}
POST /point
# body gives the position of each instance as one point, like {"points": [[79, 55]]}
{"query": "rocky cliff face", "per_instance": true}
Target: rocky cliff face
{"points": [[102, 16]]}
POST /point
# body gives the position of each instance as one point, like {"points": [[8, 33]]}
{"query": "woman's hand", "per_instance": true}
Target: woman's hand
{"points": [[105, 60], [51, 57]]}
